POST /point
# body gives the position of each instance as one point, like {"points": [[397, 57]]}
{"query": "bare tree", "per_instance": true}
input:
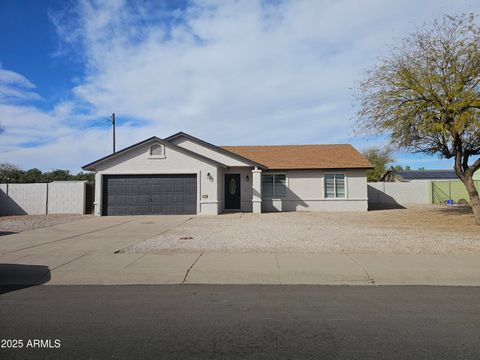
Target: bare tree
{"points": [[425, 94]]}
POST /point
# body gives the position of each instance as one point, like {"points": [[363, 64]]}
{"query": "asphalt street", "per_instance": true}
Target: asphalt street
{"points": [[240, 322]]}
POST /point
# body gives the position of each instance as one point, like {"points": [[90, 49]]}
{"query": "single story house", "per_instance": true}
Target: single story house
{"points": [[182, 174]]}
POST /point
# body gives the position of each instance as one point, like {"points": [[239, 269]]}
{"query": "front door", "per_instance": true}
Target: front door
{"points": [[232, 191]]}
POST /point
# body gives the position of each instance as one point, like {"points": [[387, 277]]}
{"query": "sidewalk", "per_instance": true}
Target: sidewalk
{"points": [[89, 251], [239, 268]]}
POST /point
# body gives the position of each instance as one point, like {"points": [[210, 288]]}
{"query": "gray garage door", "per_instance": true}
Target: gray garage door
{"points": [[149, 194]]}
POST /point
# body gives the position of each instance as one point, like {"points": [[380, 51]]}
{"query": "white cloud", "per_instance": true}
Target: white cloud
{"points": [[14, 86], [243, 72], [240, 72]]}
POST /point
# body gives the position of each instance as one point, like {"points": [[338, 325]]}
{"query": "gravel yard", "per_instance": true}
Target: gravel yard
{"points": [[18, 223], [416, 230]]}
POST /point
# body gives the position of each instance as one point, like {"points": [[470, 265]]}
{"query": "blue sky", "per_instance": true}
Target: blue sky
{"points": [[247, 72]]}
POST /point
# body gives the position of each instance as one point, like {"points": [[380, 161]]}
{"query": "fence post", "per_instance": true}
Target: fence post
{"points": [[46, 200], [432, 195]]}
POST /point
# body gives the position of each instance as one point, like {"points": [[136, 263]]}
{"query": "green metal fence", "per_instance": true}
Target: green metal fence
{"points": [[441, 191]]}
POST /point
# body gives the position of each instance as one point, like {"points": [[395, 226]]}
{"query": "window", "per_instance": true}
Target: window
{"points": [[280, 186], [274, 185], [334, 185], [157, 150]]}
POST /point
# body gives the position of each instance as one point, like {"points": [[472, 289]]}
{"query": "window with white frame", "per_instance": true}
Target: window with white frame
{"points": [[274, 185], [157, 150], [334, 185]]}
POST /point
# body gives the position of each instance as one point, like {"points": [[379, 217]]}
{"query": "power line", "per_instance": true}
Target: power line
{"points": [[56, 138]]}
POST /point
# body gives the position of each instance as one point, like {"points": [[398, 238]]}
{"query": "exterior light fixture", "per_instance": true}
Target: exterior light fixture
{"points": [[247, 178]]}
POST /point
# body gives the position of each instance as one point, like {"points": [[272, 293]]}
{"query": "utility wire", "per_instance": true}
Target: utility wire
{"points": [[56, 138]]}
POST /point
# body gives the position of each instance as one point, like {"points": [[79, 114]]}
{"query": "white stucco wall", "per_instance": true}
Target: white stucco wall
{"points": [[220, 189], [138, 161], [205, 151], [306, 192]]}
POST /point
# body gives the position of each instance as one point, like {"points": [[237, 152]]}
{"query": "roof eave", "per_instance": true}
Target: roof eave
{"points": [[321, 168]]}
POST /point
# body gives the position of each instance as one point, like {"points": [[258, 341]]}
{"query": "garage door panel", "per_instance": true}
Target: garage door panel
{"points": [[144, 199], [179, 196], [120, 210], [179, 187], [144, 189], [131, 209], [132, 199], [157, 209], [156, 199], [149, 194], [169, 210], [144, 209], [121, 199], [121, 190], [167, 198], [167, 187], [190, 199], [180, 209], [190, 209], [156, 188], [190, 187], [133, 188]]}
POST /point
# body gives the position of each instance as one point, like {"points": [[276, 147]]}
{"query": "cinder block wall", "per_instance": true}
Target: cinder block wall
{"points": [[396, 193], [24, 199], [63, 197], [66, 197]]}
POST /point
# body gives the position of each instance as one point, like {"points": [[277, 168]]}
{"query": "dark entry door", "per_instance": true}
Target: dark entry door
{"points": [[149, 194], [232, 191]]}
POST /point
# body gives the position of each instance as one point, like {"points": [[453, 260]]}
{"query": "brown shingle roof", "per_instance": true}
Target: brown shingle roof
{"points": [[338, 156]]}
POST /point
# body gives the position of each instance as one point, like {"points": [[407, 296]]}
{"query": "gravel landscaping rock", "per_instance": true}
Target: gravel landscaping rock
{"points": [[18, 223], [416, 230]]}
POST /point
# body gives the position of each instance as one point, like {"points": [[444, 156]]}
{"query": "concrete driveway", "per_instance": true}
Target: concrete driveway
{"points": [[84, 252], [93, 235], [89, 251]]}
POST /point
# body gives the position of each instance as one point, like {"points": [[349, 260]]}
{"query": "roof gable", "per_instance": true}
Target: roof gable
{"points": [[223, 153], [154, 139], [336, 156]]}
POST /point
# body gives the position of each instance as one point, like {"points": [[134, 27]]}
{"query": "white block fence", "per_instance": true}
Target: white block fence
{"points": [[399, 193], [58, 197]]}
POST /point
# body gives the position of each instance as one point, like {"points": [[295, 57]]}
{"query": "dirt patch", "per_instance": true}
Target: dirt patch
{"points": [[18, 223], [416, 230]]}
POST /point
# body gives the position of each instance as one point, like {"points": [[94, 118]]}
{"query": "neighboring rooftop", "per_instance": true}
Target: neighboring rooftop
{"points": [[407, 175], [284, 157]]}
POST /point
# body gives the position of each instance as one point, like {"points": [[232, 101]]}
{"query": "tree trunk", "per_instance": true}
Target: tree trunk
{"points": [[474, 198]]}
